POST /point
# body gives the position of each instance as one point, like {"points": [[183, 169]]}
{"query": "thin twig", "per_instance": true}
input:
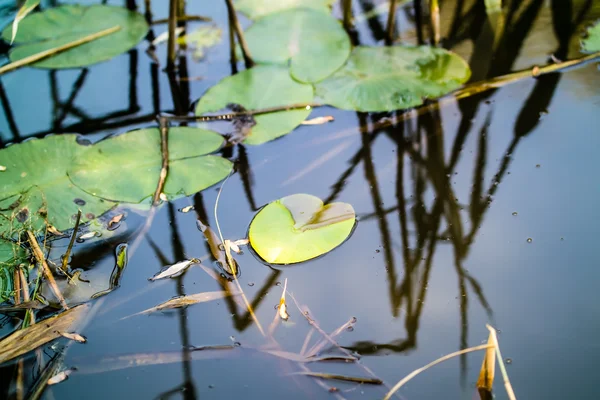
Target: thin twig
{"points": [[39, 256], [172, 35], [391, 22], [507, 385], [431, 364], [65, 260], [183, 18], [232, 52], [55, 50], [164, 150], [240, 34], [319, 346]]}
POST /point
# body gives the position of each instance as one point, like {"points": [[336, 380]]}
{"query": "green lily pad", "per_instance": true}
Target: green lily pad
{"points": [[126, 168], [60, 25], [591, 43], [35, 185], [392, 78], [298, 228], [255, 9], [261, 87], [315, 43]]}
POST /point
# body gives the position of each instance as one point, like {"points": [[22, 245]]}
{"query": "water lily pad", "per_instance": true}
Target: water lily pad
{"points": [[261, 87], [591, 43], [60, 25], [393, 78], [255, 9], [126, 168], [315, 43], [35, 186], [298, 228]]}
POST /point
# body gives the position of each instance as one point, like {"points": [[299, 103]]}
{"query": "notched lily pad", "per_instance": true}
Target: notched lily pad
{"points": [[125, 168], [261, 87], [314, 43], [60, 25], [299, 227], [379, 79], [35, 188]]}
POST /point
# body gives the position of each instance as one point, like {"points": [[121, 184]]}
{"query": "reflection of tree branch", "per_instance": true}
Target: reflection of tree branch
{"points": [[10, 118]]}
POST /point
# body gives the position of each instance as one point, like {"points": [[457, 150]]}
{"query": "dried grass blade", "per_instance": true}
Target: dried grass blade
{"points": [[319, 346], [507, 385], [34, 336], [486, 374], [416, 372], [185, 301], [355, 379]]}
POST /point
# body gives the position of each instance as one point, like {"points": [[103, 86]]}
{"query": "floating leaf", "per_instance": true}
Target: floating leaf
{"points": [[60, 25], [259, 8], [391, 78], [25, 9], [356, 379], [38, 169], [74, 336], [261, 87], [24, 340], [126, 167], [184, 301], [61, 376], [315, 43], [299, 227], [202, 39], [174, 270], [591, 43]]}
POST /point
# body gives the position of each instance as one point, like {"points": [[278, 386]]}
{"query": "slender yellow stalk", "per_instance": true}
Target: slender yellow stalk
{"points": [[55, 50], [507, 385]]}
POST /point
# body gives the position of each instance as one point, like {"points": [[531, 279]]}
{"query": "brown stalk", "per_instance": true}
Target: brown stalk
{"points": [[240, 34], [55, 50], [65, 258], [164, 149], [183, 18], [171, 41], [347, 11], [391, 22], [39, 257], [17, 282], [26, 298]]}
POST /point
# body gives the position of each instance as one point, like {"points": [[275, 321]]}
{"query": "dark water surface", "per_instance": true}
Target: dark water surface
{"points": [[485, 211]]}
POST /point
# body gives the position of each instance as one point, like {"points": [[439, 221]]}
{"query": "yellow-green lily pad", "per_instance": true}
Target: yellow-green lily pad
{"points": [[299, 227]]}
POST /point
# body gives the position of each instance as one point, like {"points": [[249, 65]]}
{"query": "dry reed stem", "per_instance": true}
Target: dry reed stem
{"points": [[240, 34], [39, 256], [391, 22], [164, 150], [50, 52], [416, 372], [172, 36], [507, 385], [65, 260]]}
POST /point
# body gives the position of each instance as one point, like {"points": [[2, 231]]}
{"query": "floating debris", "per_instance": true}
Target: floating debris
{"points": [[174, 270], [184, 301], [87, 236], [283, 314], [114, 222], [186, 209], [163, 37], [74, 336], [2, 168], [357, 379], [61, 376], [318, 120]]}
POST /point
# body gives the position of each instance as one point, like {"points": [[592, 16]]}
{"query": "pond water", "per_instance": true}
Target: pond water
{"points": [[482, 211]]}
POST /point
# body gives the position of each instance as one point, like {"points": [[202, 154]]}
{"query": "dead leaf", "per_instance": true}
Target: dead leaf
{"points": [[27, 305], [283, 314], [356, 379], [61, 376], [177, 269], [184, 301], [74, 336], [318, 120], [112, 224], [87, 235], [34, 336], [54, 231], [186, 209]]}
